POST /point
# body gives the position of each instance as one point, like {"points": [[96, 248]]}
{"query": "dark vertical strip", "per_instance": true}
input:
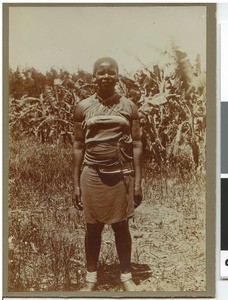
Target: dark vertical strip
{"points": [[224, 214], [224, 137]]}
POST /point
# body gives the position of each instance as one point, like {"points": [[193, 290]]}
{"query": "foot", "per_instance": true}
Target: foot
{"points": [[129, 285], [88, 287]]}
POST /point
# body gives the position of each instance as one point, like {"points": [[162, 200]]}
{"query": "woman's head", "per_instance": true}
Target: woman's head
{"points": [[105, 60], [105, 73]]}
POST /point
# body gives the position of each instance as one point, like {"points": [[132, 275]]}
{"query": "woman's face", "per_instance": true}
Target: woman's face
{"points": [[106, 76]]}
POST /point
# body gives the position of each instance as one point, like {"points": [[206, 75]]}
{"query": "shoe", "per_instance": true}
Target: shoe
{"points": [[88, 287], [129, 285]]}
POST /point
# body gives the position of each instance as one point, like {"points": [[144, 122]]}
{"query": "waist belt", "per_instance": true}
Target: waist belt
{"points": [[125, 169]]}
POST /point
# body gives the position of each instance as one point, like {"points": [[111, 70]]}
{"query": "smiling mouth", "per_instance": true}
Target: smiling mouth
{"points": [[107, 82]]}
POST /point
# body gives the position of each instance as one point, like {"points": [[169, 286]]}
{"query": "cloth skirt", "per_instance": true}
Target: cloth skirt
{"points": [[106, 198]]}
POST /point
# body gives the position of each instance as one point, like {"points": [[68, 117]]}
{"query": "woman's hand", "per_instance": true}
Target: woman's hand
{"points": [[76, 199], [137, 195]]}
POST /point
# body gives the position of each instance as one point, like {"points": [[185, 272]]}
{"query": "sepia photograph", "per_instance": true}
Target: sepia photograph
{"points": [[109, 136]]}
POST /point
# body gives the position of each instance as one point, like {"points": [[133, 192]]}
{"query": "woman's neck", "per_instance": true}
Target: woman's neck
{"points": [[106, 94]]}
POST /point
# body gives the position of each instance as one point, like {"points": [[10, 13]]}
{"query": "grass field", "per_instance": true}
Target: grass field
{"points": [[46, 234]]}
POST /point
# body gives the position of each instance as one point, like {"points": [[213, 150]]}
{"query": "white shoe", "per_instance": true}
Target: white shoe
{"points": [[88, 287], [129, 285]]}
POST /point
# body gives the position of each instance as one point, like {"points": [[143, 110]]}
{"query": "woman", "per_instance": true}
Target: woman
{"points": [[107, 144]]}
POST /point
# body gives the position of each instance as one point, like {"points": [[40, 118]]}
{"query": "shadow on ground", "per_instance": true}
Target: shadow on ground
{"points": [[109, 276]]}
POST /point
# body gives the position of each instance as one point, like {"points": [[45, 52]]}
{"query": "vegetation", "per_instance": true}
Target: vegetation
{"points": [[46, 234], [170, 100]]}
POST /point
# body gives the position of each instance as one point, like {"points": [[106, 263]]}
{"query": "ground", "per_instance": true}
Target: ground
{"points": [[46, 234]]}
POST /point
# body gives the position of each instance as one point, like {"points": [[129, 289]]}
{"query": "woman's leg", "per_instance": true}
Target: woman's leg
{"points": [[92, 249], [123, 245], [93, 245]]}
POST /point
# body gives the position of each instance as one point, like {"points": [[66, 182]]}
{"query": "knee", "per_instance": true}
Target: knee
{"points": [[94, 230], [120, 227]]}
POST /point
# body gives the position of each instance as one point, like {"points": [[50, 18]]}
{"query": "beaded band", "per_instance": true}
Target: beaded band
{"points": [[91, 277], [125, 277]]}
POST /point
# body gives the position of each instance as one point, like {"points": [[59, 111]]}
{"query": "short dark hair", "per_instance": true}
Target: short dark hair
{"points": [[103, 60]]}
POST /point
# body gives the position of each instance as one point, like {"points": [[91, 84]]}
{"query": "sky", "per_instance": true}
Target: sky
{"points": [[73, 37]]}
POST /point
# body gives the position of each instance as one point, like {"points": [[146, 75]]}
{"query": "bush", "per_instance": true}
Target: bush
{"points": [[171, 101], [37, 171]]}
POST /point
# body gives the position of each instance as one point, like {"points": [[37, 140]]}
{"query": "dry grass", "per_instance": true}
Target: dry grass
{"points": [[46, 234]]}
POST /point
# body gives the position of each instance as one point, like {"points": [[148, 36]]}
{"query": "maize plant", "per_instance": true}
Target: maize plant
{"points": [[170, 99]]}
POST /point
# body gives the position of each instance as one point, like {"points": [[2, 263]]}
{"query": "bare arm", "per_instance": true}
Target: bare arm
{"points": [[137, 161], [78, 155], [137, 151]]}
